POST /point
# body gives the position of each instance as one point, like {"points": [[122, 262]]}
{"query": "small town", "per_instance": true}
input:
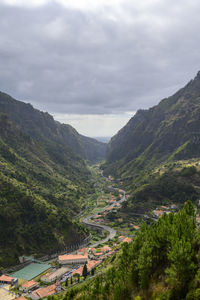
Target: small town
{"points": [[36, 279]]}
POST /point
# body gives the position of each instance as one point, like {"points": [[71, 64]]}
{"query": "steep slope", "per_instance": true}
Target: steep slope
{"points": [[167, 131], [43, 128], [38, 195], [160, 263]]}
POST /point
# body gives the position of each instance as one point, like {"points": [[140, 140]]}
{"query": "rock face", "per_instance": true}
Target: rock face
{"points": [[167, 131]]}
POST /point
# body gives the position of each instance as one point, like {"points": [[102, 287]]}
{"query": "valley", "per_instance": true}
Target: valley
{"points": [[105, 242], [94, 221]]}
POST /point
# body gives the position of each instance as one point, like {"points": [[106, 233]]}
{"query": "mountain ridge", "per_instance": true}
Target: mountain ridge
{"points": [[167, 130], [41, 125]]}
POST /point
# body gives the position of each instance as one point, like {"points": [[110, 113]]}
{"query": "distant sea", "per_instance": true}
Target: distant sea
{"points": [[104, 139]]}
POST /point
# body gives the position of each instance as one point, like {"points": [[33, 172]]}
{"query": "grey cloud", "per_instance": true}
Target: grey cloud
{"points": [[98, 62]]}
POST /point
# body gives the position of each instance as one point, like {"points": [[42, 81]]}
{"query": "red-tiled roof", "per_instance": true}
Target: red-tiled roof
{"points": [[105, 249], [91, 264], [46, 291], [6, 278], [84, 250], [29, 284], [71, 257], [21, 298], [98, 254], [127, 240]]}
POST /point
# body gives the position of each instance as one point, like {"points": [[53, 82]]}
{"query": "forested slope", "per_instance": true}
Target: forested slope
{"points": [[52, 134], [39, 194], [161, 263], [168, 131]]}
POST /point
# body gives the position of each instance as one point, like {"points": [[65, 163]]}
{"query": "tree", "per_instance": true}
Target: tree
{"points": [[92, 272], [66, 282], [85, 271]]}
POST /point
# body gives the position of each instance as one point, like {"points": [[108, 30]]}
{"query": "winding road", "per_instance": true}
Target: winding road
{"points": [[112, 232]]}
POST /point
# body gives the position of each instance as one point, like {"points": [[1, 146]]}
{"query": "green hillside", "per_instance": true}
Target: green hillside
{"points": [[52, 134], [168, 131], [161, 263], [39, 194]]}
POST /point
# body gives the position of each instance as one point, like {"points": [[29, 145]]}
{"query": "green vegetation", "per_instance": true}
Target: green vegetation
{"points": [[161, 263], [171, 186], [166, 132], [44, 181], [55, 138]]}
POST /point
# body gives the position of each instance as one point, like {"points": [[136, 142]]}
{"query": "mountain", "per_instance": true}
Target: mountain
{"points": [[44, 180], [105, 139], [43, 128], [168, 131]]}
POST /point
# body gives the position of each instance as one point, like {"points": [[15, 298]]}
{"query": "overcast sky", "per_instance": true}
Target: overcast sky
{"points": [[93, 63]]}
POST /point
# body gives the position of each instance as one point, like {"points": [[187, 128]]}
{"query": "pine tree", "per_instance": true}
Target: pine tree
{"points": [[85, 272]]}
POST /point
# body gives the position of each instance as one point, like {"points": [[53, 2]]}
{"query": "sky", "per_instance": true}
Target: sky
{"points": [[94, 63]]}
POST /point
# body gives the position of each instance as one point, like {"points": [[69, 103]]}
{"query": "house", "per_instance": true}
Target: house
{"points": [[29, 285], [135, 226], [92, 250], [53, 276], [105, 249], [127, 240], [121, 238], [158, 213], [110, 253], [46, 291], [5, 279], [173, 206], [91, 264], [98, 255], [21, 298], [164, 207], [72, 259], [82, 251]]}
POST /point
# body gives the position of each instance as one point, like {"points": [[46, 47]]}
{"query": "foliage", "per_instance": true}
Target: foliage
{"points": [[42, 186], [168, 131], [164, 254]]}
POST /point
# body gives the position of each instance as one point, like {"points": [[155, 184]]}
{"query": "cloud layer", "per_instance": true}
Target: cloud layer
{"points": [[97, 57]]}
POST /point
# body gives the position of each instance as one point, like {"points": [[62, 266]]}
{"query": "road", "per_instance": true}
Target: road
{"points": [[112, 232]]}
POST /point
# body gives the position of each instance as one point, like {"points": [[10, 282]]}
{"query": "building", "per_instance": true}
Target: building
{"points": [[5, 279], [46, 291], [173, 206], [98, 255], [82, 251], [105, 249], [127, 240], [158, 213], [70, 259], [28, 286], [121, 238], [53, 276], [21, 298], [91, 264]]}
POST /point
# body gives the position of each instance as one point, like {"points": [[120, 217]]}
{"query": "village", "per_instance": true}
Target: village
{"points": [[38, 279], [71, 269]]}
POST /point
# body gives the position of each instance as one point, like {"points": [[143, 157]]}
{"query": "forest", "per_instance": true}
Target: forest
{"points": [[161, 263]]}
